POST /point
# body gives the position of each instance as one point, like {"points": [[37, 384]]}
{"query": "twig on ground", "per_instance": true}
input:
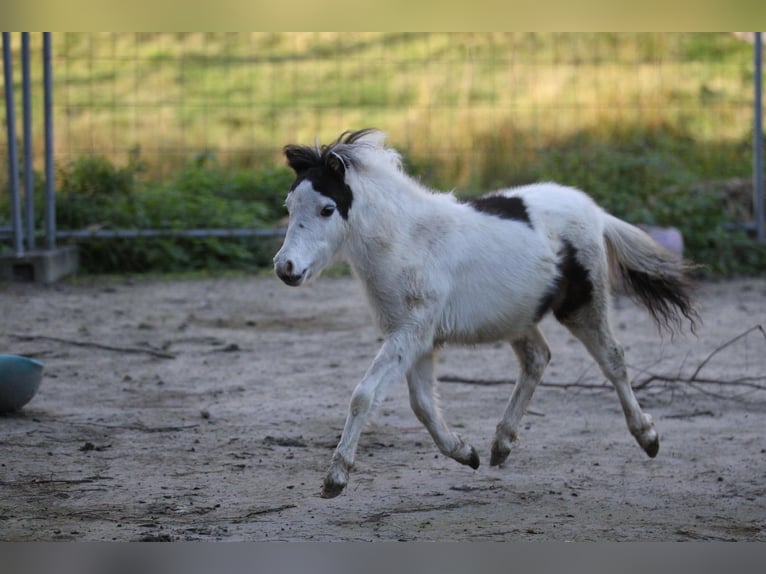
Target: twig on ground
{"points": [[728, 344], [479, 382], [495, 382], [750, 382], [258, 512], [77, 343], [136, 427], [690, 415], [694, 378]]}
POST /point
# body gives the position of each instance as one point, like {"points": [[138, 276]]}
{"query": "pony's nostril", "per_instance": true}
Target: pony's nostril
{"points": [[287, 272]]}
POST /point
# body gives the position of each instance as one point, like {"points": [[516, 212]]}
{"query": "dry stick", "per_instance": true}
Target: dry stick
{"points": [[750, 382], [137, 350], [694, 378], [479, 382], [495, 382], [691, 415], [257, 512], [728, 343]]}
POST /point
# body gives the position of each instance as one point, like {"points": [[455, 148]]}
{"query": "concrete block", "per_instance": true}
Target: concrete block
{"points": [[40, 266]]}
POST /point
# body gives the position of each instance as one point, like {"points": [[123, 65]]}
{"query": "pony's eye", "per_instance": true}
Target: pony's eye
{"points": [[327, 211]]}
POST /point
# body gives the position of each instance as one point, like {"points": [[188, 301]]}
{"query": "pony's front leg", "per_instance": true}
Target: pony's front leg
{"points": [[422, 385], [392, 362]]}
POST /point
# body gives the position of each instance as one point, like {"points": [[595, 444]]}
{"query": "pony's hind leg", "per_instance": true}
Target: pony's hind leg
{"points": [[533, 355], [421, 383], [591, 326]]}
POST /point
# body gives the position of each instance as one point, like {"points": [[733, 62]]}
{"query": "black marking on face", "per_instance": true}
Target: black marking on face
{"points": [[571, 290], [325, 167], [502, 207], [327, 183]]}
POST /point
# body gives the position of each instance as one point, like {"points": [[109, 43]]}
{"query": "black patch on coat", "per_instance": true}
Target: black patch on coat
{"points": [[571, 290], [502, 207]]}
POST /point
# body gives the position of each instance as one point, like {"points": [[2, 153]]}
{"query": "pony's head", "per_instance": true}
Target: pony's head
{"points": [[319, 202]]}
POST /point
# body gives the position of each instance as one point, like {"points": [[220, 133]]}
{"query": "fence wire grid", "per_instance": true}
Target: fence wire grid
{"points": [[450, 99], [243, 96]]}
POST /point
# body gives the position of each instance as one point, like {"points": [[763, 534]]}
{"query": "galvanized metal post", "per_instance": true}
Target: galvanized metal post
{"points": [[758, 190], [29, 175], [13, 160], [50, 184]]}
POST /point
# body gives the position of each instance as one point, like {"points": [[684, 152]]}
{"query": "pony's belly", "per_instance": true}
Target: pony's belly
{"points": [[486, 324]]}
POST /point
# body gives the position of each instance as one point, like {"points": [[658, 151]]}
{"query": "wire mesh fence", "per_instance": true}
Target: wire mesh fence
{"points": [[171, 97], [469, 111]]}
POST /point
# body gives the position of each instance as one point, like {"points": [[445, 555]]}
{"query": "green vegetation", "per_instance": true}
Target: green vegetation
{"points": [[179, 131], [202, 195]]}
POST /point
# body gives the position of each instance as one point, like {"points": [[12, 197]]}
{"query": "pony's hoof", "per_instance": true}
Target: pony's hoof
{"points": [[335, 480], [499, 453], [331, 489], [653, 447], [648, 438], [465, 454], [473, 459]]}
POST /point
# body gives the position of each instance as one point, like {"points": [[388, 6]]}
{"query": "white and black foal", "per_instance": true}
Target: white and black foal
{"points": [[439, 270]]}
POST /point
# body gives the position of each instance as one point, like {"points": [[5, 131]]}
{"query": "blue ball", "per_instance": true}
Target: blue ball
{"points": [[19, 380]]}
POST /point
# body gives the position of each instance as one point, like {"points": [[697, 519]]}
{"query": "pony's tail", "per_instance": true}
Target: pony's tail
{"points": [[650, 274]]}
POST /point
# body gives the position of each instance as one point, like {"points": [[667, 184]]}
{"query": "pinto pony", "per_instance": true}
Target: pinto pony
{"points": [[438, 270]]}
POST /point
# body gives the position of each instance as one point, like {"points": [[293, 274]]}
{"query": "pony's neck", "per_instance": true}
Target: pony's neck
{"points": [[386, 205]]}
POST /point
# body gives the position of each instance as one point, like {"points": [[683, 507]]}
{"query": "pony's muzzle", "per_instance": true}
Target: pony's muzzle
{"points": [[285, 270]]}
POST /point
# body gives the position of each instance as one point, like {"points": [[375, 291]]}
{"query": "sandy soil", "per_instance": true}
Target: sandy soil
{"points": [[230, 438]]}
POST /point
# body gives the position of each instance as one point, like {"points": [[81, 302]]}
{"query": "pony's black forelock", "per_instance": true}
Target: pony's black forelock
{"points": [[334, 156], [325, 167]]}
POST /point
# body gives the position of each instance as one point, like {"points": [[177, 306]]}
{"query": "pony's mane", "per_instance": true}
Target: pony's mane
{"points": [[352, 149]]}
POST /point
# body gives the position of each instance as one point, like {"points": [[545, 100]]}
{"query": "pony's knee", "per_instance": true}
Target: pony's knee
{"points": [[614, 366], [361, 401], [535, 358], [544, 357]]}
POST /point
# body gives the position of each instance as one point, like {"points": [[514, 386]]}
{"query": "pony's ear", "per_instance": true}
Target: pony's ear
{"points": [[300, 158], [336, 163]]}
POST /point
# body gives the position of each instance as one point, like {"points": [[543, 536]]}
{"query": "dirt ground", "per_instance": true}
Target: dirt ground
{"points": [[228, 435]]}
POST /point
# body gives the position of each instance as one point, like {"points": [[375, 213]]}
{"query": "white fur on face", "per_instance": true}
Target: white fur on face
{"points": [[314, 235]]}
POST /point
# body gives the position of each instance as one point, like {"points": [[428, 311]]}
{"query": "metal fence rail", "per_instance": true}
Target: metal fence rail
{"points": [[23, 235], [146, 233], [758, 188]]}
